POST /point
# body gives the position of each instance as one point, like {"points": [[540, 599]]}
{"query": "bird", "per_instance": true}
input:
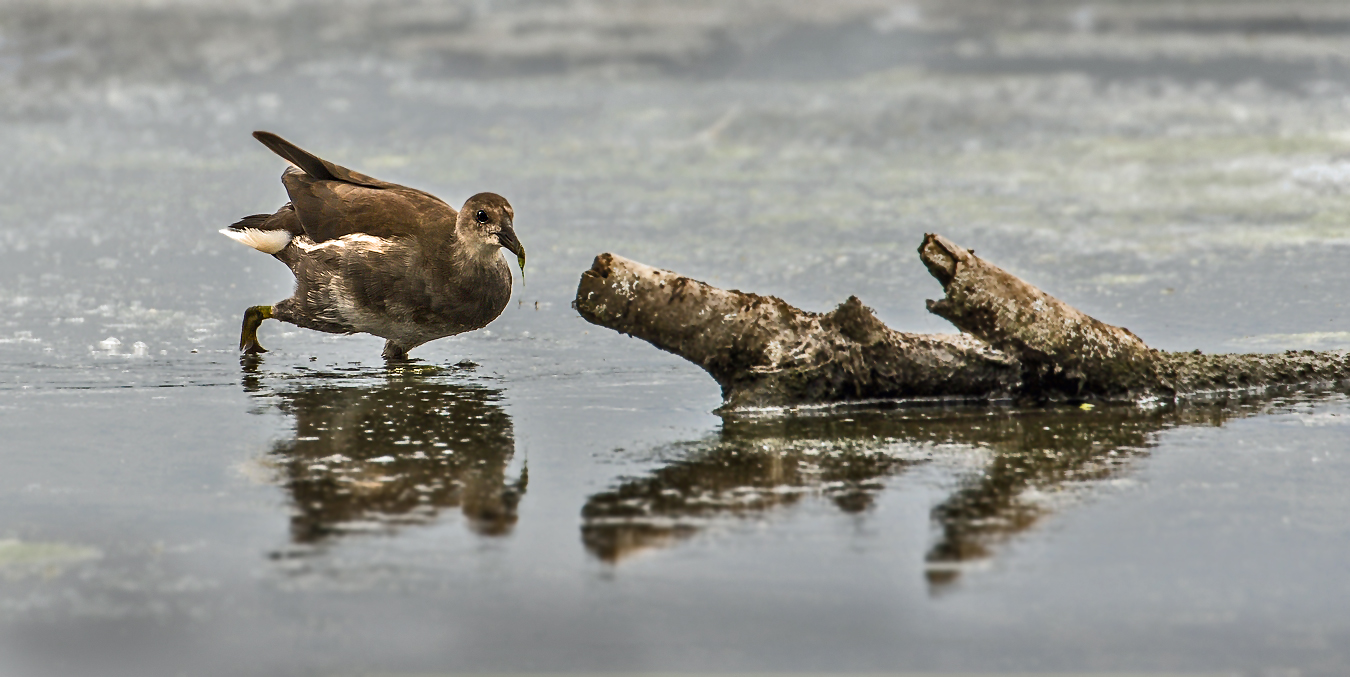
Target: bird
{"points": [[379, 258]]}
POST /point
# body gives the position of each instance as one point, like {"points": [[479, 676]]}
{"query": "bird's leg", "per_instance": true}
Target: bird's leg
{"points": [[248, 336], [394, 352]]}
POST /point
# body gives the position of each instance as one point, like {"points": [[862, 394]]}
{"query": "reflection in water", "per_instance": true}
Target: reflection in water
{"points": [[1042, 451], [369, 457], [756, 465]]}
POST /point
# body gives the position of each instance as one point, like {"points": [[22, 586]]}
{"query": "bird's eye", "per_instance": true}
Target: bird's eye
{"points": [[481, 216]]}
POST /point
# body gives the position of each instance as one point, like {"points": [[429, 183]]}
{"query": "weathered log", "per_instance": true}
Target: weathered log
{"points": [[1019, 342], [764, 352], [1067, 355], [1061, 349]]}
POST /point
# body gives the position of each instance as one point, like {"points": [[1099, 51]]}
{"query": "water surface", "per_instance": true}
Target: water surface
{"points": [[549, 496]]}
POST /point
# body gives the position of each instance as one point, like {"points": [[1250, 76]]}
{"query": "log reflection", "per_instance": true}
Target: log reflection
{"points": [[1042, 451], [374, 457], [754, 466]]}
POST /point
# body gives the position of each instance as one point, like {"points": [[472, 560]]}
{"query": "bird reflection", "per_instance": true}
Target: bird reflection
{"points": [[373, 457], [757, 465]]}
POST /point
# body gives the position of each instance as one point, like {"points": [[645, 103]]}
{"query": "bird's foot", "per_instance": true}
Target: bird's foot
{"points": [[248, 336], [394, 353]]}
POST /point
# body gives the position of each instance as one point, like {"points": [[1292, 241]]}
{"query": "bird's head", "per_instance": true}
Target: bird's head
{"points": [[486, 221]]}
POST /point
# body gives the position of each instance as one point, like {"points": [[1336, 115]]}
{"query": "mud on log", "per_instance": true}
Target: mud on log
{"points": [[1017, 342]]}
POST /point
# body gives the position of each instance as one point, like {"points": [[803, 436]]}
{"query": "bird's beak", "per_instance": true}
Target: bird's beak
{"points": [[507, 237]]}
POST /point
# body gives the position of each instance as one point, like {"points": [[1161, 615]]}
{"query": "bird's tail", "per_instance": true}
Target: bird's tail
{"points": [[263, 232]]}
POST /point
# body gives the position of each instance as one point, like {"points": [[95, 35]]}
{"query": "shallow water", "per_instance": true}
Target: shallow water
{"points": [[549, 496]]}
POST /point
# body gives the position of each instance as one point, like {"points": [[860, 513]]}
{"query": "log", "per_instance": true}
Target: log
{"points": [[766, 353], [1018, 342], [1061, 349], [1066, 355]]}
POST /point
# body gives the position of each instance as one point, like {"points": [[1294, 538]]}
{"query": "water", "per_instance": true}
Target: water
{"points": [[549, 496]]}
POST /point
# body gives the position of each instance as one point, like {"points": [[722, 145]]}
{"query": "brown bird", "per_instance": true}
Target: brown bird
{"points": [[378, 258]]}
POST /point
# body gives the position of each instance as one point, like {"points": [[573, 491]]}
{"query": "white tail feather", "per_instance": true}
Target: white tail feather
{"points": [[266, 241]]}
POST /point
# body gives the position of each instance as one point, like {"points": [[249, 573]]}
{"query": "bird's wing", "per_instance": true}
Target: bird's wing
{"points": [[315, 166], [332, 201]]}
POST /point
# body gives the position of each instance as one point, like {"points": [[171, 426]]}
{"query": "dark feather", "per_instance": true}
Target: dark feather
{"points": [[313, 165], [332, 201], [254, 221], [283, 219]]}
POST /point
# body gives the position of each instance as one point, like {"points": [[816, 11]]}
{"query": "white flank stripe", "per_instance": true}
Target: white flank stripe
{"points": [[359, 241], [266, 241]]}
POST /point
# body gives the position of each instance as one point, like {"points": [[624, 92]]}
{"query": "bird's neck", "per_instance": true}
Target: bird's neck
{"points": [[473, 256], [469, 247], [483, 255]]}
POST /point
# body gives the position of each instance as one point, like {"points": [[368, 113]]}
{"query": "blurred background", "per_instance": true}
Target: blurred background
{"points": [[550, 496]]}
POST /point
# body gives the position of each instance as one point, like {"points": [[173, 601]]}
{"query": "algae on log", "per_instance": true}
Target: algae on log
{"points": [[1019, 342]]}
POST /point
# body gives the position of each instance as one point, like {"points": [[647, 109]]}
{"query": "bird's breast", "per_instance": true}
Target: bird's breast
{"points": [[470, 296]]}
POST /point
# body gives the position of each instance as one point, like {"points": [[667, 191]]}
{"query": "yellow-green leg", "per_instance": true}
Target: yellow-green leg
{"points": [[248, 336]]}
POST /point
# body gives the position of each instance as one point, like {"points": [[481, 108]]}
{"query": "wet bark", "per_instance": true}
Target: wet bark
{"points": [[1017, 342]]}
